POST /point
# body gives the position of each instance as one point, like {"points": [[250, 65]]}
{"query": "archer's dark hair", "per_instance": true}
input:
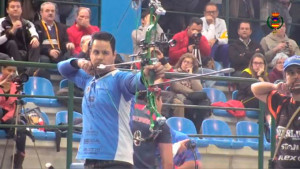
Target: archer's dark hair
{"points": [[195, 20], [105, 36]]}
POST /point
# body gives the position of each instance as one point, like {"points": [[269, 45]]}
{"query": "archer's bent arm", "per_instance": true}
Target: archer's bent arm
{"points": [[76, 75], [261, 90]]}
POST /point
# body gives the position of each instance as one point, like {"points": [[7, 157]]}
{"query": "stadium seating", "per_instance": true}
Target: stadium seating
{"points": [[40, 86], [218, 127], [62, 118], [63, 83], [251, 114], [248, 128], [43, 135], [186, 126]]}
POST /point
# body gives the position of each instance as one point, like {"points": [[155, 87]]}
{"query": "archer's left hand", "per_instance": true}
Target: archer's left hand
{"points": [[158, 69]]}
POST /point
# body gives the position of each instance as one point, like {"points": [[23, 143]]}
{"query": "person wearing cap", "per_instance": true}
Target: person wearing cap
{"points": [[282, 107]]}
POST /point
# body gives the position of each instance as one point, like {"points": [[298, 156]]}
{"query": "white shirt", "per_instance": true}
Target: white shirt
{"points": [[215, 31]]}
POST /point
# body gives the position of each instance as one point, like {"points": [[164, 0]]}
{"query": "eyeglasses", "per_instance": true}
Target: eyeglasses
{"points": [[211, 12], [187, 62], [258, 63]]}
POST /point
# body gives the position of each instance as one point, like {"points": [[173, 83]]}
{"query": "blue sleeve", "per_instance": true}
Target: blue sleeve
{"points": [[130, 83], [77, 76]]}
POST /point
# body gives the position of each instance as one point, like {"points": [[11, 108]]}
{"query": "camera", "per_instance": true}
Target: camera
{"points": [[22, 78], [196, 38]]}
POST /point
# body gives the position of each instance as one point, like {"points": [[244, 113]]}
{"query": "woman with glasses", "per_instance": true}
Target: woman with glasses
{"points": [[257, 69], [190, 91], [277, 71]]}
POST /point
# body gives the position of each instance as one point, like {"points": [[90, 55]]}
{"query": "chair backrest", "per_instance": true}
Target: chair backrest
{"points": [[247, 128], [62, 117], [38, 86], [215, 95], [218, 66], [46, 118], [63, 83], [182, 124], [234, 94], [215, 127]]}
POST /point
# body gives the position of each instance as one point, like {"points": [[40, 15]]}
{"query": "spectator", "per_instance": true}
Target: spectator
{"points": [[66, 13], [145, 146], [214, 28], [7, 113], [81, 28], [278, 42], [241, 51], [55, 45], [140, 33], [257, 69], [186, 41], [84, 45], [189, 91], [277, 63], [19, 38]]}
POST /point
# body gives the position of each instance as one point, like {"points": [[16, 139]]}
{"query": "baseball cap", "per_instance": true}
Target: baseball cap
{"points": [[294, 60]]}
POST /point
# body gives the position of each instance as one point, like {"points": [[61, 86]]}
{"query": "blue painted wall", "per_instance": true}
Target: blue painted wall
{"points": [[120, 19]]}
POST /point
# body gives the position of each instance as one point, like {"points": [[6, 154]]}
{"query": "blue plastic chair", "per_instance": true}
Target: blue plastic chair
{"points": [[40, 86], [2, 134], [43, 135], [62, 118], [249, 113], [247, 128], [218, 127], [216, 95], [186, 126], [63, 83]]}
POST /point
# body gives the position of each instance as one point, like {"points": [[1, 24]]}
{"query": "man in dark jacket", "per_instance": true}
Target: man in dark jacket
{"points": [[53, 36], [241, 51], [18, 37]]}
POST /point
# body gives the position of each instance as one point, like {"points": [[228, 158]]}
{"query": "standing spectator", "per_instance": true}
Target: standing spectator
{"points": [[66, 13], [81, 28], [18, 37], [140, 33], [186, 42], [282, 108], [54, 40], [279, 42], [257, 69], [277, 63], [106, 105], [241, 51], [145, 150]]}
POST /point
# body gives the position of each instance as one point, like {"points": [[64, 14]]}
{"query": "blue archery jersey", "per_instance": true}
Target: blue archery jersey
{"points": [[107, 106]]}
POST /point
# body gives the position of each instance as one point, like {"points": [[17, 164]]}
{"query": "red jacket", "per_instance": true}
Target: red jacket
{"points": [[182, 42], [8, 104], [75, 34]]}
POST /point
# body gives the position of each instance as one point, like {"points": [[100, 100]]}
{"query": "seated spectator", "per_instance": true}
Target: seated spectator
{"points": [[215, 31], [140, 33], [186, 156], [81, 28], [257, 69], [84, 45], [66, 12], [241, 51], [189, 91], [7, 113], [278, 42], [145, 146], [18, 37], [55, 45], [186, 41], [277, 63]]}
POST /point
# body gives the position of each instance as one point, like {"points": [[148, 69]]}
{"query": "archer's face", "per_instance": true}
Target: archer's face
{"points": [[101, 53], [293, 75]]}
